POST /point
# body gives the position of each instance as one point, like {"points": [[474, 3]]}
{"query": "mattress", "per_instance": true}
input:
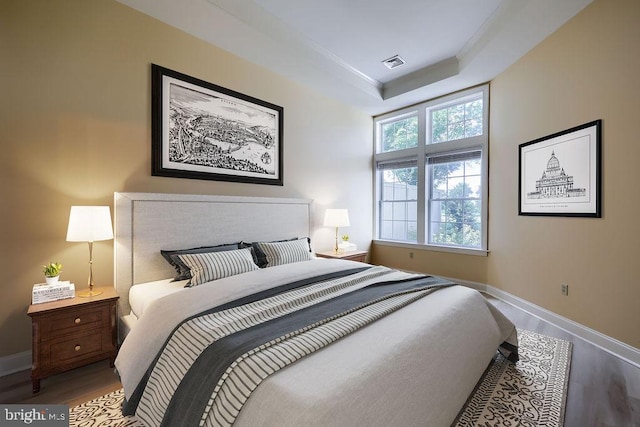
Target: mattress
{"points": [[143, 294]]}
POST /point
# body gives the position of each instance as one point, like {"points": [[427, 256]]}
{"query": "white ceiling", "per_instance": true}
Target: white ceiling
{"points": [[337, 46]]}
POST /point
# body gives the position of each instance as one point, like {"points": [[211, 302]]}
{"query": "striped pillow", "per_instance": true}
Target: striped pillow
{"points": [[216, 265], [278, 253], [182, 271]]}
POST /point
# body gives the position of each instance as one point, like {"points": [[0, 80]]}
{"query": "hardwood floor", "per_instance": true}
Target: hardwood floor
{"points": [[604, 391], [70, 388]]}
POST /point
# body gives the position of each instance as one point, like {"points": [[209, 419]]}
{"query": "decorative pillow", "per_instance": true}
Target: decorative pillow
{"points": [[209, 266], [182, 271], [278, 253], [259, 257]]}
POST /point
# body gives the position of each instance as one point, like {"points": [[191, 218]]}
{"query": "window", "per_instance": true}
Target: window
{"points": [[431, 173], [399, 201]]}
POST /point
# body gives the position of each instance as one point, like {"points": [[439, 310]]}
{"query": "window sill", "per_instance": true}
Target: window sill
{"points": [[450, 249]]}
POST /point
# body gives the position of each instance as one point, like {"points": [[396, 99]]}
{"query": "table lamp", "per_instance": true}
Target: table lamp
{"points": [[89, 224], [336, 218]]}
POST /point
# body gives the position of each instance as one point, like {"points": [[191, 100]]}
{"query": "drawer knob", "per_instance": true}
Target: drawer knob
{"points": [[77, 348], [77, 320]]}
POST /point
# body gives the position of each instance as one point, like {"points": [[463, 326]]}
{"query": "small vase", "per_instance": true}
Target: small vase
{"points": [[52, 280]]}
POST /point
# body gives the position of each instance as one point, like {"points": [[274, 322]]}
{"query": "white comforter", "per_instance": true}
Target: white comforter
{"points": [[416, 366]]}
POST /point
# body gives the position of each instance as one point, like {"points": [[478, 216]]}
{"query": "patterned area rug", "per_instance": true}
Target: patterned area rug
{"points": [[530, 393], [103, 411]]}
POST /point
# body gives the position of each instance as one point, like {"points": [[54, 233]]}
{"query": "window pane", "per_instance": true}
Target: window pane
{"points": [[387, 191], [412, 231], [400, 134], [412, 211], [457, 121], [472, 212], [399, 192], [439, 125], [473, 128], [452, 211], [385, 230], [399, 230], [399, 207], [437, 232], [456, 113], [437, 212], [472, 189], [455, 131], [455, 187], [387, 209], [473, 109], [473, 167], [400, 210]]}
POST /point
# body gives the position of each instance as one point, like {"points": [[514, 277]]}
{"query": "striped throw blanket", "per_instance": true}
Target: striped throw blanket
{"points": [[212, 362]]}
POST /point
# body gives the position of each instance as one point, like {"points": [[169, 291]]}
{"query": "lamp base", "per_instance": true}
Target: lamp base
{"points": [[89, 294]]}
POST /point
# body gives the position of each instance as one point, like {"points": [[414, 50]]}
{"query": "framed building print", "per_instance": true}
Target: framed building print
{"points": [[560, 174], [204, 131]]}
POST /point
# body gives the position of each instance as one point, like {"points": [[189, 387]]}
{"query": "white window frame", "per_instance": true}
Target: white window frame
{"points": [[421, 153]]}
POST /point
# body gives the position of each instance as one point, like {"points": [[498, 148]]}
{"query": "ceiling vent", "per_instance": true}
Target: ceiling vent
{"points": [[394, 62]]}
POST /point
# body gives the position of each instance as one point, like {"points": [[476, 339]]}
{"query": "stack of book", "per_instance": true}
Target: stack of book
{"points": [[347, 247], [47, 293]]}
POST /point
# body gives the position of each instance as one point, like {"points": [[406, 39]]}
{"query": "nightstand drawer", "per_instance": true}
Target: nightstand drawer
{"points": [[73, 321], [69, 350]]}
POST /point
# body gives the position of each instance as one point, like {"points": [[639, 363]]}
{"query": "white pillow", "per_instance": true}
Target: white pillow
{"points": [[279, 253], [210, 266]]}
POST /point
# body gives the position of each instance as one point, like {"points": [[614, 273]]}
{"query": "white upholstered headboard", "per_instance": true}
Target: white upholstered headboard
{"points": [[145, 223]]}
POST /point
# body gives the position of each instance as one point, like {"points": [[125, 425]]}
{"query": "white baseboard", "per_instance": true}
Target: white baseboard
{"points": [[15, 363], [611, 345]]}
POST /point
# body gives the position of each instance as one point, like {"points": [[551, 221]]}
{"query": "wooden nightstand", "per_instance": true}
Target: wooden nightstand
{"points": [[353, 255], [72, 332]]}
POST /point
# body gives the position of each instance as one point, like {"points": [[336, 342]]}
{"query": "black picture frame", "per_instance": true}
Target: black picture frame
{"points": [[204, 131], [560, 174]]}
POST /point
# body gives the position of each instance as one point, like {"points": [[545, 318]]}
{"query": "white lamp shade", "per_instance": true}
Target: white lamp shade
{"points": [[336, 218], [89, 224]]}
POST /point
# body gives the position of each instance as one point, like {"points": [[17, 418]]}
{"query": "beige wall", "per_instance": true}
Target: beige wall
{"points": [[75, 127], [589, 69], [465, 267]]}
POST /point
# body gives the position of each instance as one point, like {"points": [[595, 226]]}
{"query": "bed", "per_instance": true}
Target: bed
{"points": [[380, 346]]}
